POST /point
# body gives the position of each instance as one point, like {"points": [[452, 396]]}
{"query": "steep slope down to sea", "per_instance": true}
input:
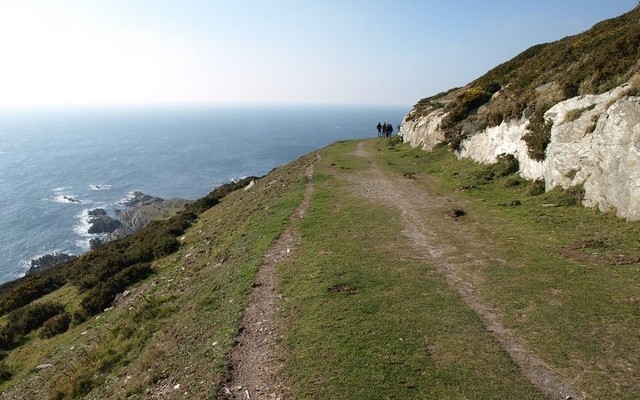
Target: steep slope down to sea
{"points": [[568, 111], [402, 274]]}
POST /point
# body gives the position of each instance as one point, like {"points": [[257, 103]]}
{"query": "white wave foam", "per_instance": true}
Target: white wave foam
{"points": [[98, 187], [68, 199], [81, 228], [127, 198], [83, 244], [217, 184]]}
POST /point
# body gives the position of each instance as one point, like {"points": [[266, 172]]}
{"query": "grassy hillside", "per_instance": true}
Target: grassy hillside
{"points": [[184, 281], [592, 62], [364, 313]]}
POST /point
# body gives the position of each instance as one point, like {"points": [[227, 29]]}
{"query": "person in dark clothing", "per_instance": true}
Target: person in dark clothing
{"points": [[379, 128]]}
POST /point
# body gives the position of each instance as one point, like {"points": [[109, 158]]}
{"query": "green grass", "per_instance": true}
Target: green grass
{"points": [[569, 280], [363, 315], [398, 331]]}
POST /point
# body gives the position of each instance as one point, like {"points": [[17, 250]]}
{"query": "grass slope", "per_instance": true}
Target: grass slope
{"points": [[563, 278], [391, 327], [173, 332], [363, 315]]}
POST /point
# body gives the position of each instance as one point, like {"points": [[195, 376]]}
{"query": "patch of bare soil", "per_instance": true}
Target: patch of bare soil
{"points": [[428, 228], [254, 360]]}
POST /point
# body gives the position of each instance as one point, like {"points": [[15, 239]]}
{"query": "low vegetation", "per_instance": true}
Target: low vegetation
{"points": [[366, 317], [160, 307], [362, 314], [99, 276]]}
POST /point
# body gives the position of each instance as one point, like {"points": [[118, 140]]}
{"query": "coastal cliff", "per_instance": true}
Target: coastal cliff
{"points": [[561, 126]]}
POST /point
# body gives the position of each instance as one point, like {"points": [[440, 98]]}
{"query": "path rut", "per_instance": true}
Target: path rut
{"points": [[254, 360]]}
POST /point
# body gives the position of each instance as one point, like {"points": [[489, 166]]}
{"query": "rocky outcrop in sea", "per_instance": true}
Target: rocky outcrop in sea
{"points": [[107, 225], [48, 261], [101, 222]]}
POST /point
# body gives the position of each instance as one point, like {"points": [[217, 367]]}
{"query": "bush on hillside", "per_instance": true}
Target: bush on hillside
{"points": [[101, 296], [5, 372], [27, 289], [31, 317], [25, 320], [506, 164], [539, 135], [103, 272], [467, 102], [55, 325], [536, 187]]}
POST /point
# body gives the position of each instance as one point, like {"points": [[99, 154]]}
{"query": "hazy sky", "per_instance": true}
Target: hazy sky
{"points": [[89, 52]]}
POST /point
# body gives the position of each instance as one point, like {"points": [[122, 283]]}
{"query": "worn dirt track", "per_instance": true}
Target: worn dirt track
{"points": [[422, 217], [255, 366], [255, 363]]}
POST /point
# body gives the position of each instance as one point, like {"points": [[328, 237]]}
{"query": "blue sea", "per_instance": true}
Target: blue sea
{"points": [[55, 165]]}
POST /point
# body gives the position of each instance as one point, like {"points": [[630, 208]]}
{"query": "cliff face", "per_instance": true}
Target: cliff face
{"points": [[579, 138], [595, 141]]}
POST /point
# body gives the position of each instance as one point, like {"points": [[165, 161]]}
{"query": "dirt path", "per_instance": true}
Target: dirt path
{"points": [[423, 216], [255, 363]]}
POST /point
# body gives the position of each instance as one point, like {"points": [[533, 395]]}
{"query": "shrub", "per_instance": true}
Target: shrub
{"points": [[8, 338], [536, 187], [507, 164], [454, 137], [467, 102], [514, 181], [26, 319], [393, 141], [572, 196], [28, 289], [539, 135], [577, 113], [55, 325], [5, 372], [32, 317], [103, 295]]}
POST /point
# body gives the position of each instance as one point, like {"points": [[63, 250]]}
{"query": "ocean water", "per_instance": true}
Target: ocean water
{"points": [[56, 165]]}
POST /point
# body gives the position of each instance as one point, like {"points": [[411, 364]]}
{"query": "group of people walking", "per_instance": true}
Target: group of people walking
{"points": [[384, 130]]}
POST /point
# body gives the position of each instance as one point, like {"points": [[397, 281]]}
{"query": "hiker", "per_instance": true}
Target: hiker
{"points": [[387, 129], [379, 128]]}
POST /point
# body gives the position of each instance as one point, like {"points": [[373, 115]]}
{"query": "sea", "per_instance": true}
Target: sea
{"points": [[57, 164]]}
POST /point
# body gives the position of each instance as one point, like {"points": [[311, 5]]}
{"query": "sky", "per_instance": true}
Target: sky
{"points": [[376, 52]]}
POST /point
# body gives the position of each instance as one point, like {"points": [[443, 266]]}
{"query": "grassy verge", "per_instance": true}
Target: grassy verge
{"points": [[365, 318]]}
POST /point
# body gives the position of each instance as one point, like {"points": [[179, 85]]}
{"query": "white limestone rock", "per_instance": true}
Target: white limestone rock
{"points": [[423, 132], [598, 146]]}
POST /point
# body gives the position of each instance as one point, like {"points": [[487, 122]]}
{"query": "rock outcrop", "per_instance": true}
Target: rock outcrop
{"points": [[48, 261], [140, 199], [101, 222], [595, 141]]}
